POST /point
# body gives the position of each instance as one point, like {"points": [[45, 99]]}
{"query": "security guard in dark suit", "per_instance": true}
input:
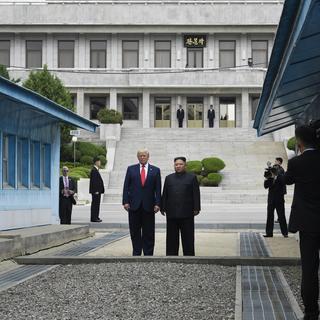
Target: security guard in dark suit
{"points": [[180, 116], [211, 116], [276, 191], [304, 172]]}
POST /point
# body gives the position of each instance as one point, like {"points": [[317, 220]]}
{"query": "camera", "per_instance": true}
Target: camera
{"points": [[270, 170]]}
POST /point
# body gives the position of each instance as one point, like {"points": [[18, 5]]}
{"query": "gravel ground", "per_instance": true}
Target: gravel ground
{"points": [[152, 291], [293, 277]]}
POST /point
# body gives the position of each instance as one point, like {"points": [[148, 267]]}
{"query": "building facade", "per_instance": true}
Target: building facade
{"points": [[146, 58]]}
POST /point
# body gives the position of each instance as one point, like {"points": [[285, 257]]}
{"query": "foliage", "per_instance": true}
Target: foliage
{"points": [[86, 160], [291, 144], [51, 87], [109, 116], [215, 178], [103, 160], [205, 182], [194, 166], [199, 177], [5, 74], [213, 164], [90, 149]]}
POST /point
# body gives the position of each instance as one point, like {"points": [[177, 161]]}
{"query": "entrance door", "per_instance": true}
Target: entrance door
{"points": [[162, 112], [195, 112], [227, 113]]}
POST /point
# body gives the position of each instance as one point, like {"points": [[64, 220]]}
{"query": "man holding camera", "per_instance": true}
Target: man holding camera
{"points": [[276, 191]]}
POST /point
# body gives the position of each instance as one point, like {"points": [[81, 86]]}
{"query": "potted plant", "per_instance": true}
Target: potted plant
{"points": [[111, 121]]}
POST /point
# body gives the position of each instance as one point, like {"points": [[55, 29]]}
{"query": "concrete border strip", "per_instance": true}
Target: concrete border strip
{"points": [[292, 300], [226, 261], [238, 302]]}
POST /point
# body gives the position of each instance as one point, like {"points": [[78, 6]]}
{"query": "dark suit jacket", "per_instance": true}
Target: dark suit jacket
{"points": [[304, 172], [135, 194], [180, 114], [96, 182], [72, 186], [277, 189], [211, 114], [181, 195]]}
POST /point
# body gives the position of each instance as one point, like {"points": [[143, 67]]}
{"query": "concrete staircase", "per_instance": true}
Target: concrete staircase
{"points": [[93, 137], [245, 156]]}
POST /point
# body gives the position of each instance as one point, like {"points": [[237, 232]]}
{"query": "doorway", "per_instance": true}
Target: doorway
{"points": [[162, 112], [195, 112], [227, 113]]}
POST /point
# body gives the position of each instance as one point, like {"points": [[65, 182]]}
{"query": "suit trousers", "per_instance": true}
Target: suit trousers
{"points": [[185, 226], [142, 225], [65, 210], [180, 123], [211, 123], [309, 249], [95, 206], [279, 206]]}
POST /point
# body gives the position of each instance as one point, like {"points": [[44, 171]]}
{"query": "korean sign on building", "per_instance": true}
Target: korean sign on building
{"points": [[195, 41]]}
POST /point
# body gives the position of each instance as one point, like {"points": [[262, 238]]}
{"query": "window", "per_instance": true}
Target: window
{"points": [[35, 164], [260, 53], [5, 52], [254, 106], [162, 56], [96, 104], [47, 165], [195, 57], [33, 54], [23, 163], [227, 54], [65, 54], [98, 53], [9, 161], [130, 108], [130, 54]]}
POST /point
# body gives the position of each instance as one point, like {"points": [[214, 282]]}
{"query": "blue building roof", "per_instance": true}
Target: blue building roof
{"points": [[292, 83], [33, 100]]}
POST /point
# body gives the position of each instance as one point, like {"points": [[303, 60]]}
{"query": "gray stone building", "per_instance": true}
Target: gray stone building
{"points": [[145, 58]]}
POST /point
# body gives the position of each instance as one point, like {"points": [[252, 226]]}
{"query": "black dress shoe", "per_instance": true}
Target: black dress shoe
{"points": [[98, 220], [286, 236], [268, 235], [277, 221]]}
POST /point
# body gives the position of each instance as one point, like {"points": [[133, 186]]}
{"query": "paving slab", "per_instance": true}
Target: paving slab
{"points": [[206, 244], [283, 247]]}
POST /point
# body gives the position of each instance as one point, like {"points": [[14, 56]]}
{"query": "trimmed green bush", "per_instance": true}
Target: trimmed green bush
{"points": [[86, 160], [109, 116], [194, 166], [291, 144], [215, 178], [90, 149], [212, 164], [199, 177], [66, 153], [205, 182]]}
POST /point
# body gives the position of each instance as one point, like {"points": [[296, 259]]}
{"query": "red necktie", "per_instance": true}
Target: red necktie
{"points": [[143, 175]]}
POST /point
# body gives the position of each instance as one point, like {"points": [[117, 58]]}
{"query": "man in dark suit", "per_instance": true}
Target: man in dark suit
{"points": [[141, 198], [180, 204], [211, 116], [276, 191], [96, 189], [180, 116], [304, 172], [66, 199]]}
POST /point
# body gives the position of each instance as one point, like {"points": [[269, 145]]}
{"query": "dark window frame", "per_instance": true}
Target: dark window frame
{"points": [[124, 113], [28, 50], [90, 109], [127, 50], [195, 60], [9, 51], [266, 51], [162, 50], [95, 50], [59, 50]]}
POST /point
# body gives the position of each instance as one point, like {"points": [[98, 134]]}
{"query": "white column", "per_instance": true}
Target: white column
{"points": [[82, 51], [146, 109], [18, 60], [113, 99], [244, 50], [146, 50], [179, 52], [114, 51], [211, 47], [245, 109], [80, 102], [50, 46]]}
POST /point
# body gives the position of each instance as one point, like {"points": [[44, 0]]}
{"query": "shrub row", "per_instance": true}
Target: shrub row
{"points": [[109, 116]]}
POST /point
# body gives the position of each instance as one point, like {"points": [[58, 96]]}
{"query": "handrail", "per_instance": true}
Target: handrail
{"points": [[145, 2]]}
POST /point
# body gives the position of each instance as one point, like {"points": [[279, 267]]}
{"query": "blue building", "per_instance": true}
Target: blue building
{"points": [[291, 90], [30, 155]]}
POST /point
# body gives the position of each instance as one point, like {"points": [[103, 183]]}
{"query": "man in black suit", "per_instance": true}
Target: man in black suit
{"points": [[304, 172], [180, 204], [66, 199], [180, 116], [211, 116], [141, 198], [96, 189], [276, 191]]}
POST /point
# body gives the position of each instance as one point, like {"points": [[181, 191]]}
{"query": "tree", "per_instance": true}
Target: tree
{"points": [[51, 87], [5, 74]]}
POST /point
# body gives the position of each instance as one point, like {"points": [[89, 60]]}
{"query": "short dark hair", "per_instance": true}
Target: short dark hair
{"points": [[309, 134], [279, 159], [184, 159], [95, 159]]}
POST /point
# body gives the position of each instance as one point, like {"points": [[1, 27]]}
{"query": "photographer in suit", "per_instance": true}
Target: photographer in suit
{"points": [[276, 191], [304, 172]]}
